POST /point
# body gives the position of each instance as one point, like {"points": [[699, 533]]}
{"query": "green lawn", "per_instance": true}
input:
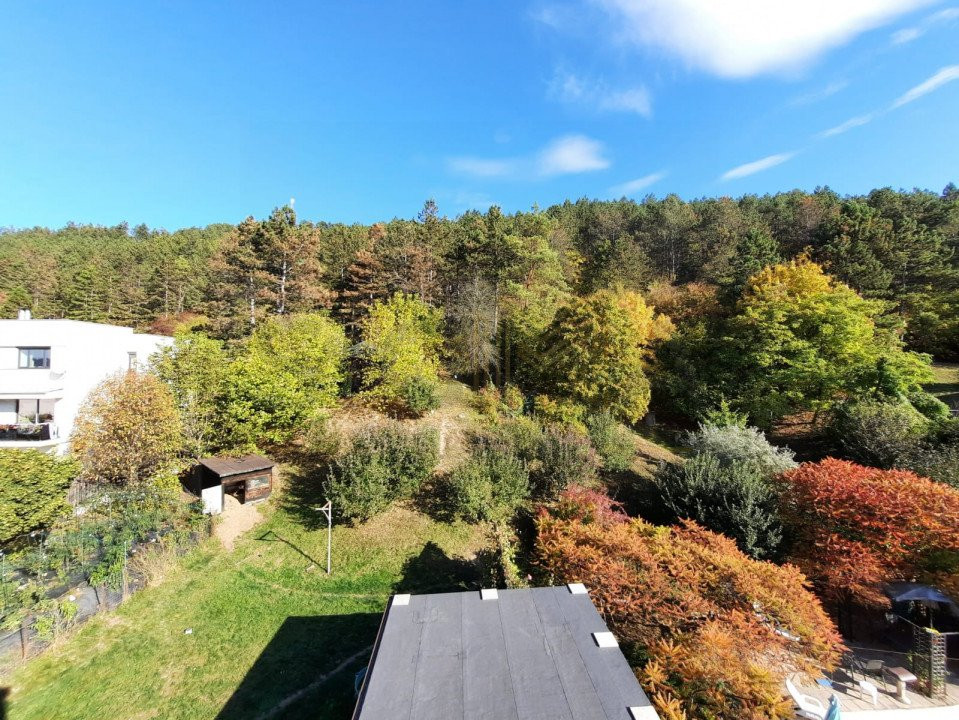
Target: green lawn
{"points": [[267, 625], [945, 379]]}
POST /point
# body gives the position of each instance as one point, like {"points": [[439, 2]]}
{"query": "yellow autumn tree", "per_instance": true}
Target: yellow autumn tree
{"points": [[127, 430], [401, 341], [597, 350]]}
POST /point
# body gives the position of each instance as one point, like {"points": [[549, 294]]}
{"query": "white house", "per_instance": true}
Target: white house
{"points": [[47, 369]]}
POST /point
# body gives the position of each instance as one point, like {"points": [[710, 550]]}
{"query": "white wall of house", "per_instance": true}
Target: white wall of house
{"points": [[82, 355]]}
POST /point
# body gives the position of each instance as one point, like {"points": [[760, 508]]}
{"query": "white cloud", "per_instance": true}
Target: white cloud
{"points": [[851, 123], [572, 154], [634, 186], [635, 100], [818, 95], [756, 166], [481, 167], [572, 89], [564, 156], [945, 75], [906, 35], [743, 38]]}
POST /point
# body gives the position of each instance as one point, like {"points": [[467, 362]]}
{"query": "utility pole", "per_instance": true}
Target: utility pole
{"points": [[327, 510]]}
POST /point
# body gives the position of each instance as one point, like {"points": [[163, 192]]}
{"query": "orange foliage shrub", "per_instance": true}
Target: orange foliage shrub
{"points": [[713, 631], [856, 527]]}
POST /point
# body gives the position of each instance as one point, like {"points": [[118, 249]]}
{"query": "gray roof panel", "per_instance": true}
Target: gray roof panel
{"points": [[528, 655]]}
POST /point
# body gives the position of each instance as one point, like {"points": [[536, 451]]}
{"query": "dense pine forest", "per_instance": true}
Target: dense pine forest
{"points": [[510, 290]]}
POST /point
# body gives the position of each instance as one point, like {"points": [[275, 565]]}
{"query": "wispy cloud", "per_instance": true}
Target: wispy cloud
{"points": [[572, 154], [481, 167], [944, 76], [632, 187], [566, 155], [751, 168], [819, 95], [744, 38], [851, 123], [908, 34], [595, 93]]}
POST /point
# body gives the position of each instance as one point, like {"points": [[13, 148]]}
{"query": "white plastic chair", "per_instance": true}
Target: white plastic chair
{"points": [[866, 687], [809, 707]]}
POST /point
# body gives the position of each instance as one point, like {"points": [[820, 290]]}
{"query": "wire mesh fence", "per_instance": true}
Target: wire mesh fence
{"points": [[88, 563]]}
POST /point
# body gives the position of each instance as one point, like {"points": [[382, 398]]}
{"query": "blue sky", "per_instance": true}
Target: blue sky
{"points": [[187, 113]]}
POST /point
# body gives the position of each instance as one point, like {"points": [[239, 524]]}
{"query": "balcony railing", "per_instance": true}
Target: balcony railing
{"points": [[28, 431]]}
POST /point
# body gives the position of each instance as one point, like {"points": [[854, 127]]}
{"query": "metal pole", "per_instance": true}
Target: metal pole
{"points": [[328, 511], [329, 533]]}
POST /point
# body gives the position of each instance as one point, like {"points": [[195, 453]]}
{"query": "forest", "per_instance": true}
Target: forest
{"points": [[504, 372], [504, 285]]}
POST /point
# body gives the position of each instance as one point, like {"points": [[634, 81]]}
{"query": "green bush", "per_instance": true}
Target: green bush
{"points": [[560, 412], [33, 491], [930, 406], [733, 498], [521, 436], [383, 464], [738, 443], [876, 432], [513, 400], [613, 441], [936, 454], [564, 457], [419, 395], [358, 485], [490, 485], [487, 402]]}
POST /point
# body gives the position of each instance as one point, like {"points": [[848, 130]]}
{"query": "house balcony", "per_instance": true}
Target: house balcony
{"points": [[40, 383], [29, 435]]}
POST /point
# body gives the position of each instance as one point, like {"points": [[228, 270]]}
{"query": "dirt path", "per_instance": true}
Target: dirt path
{"points": [[235, 520]]}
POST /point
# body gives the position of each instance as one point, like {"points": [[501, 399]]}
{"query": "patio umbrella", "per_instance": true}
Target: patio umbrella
{"points": [[928, 596], [922, 593]]}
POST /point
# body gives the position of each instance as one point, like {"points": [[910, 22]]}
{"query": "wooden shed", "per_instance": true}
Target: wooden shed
{"points": [[247, 478]]}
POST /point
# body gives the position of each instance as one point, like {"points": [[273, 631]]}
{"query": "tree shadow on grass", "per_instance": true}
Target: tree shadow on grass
{"points": [[303, 494], [306, 670], [270, 536], [435, 499], [433, 571]]}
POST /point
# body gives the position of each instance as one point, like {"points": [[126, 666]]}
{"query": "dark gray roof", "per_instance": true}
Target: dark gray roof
{"points": [[528, 654], [226, 466]]}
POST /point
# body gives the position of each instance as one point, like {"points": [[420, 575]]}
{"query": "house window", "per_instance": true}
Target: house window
{"points": [[132, 360], [34, 357]]}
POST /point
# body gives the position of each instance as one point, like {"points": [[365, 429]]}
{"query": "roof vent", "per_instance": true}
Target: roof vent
{"points": [[24, 315], [489, 594], [605, 639], [643, 713], [401, 600], [577, 589]]}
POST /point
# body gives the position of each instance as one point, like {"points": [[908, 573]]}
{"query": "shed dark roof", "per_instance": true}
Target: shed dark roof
{"points": [[526, 654], [226, 466]]}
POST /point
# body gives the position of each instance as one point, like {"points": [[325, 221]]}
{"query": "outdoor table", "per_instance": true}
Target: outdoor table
{"points": [[902, 677]]}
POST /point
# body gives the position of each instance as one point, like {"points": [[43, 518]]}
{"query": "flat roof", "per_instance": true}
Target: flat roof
{"points": [[518, 655], [226, 466]]}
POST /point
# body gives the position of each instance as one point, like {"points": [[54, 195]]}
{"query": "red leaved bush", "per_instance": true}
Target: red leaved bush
{"points": [[855, 527], [714, 630]]}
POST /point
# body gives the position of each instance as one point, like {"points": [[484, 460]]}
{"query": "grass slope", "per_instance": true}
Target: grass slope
{"points": [[267, 624]]}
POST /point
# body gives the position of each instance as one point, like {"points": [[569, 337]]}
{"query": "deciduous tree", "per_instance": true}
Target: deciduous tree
{"points": [[717, 631], [856, 527], [127, 429]]}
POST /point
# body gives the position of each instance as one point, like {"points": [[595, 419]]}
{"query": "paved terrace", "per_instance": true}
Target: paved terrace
{"points": [[889, 707]]}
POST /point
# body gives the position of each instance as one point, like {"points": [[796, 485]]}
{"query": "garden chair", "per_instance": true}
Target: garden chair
{"points": [[875, 668], [809, 707], [867, 688]]}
